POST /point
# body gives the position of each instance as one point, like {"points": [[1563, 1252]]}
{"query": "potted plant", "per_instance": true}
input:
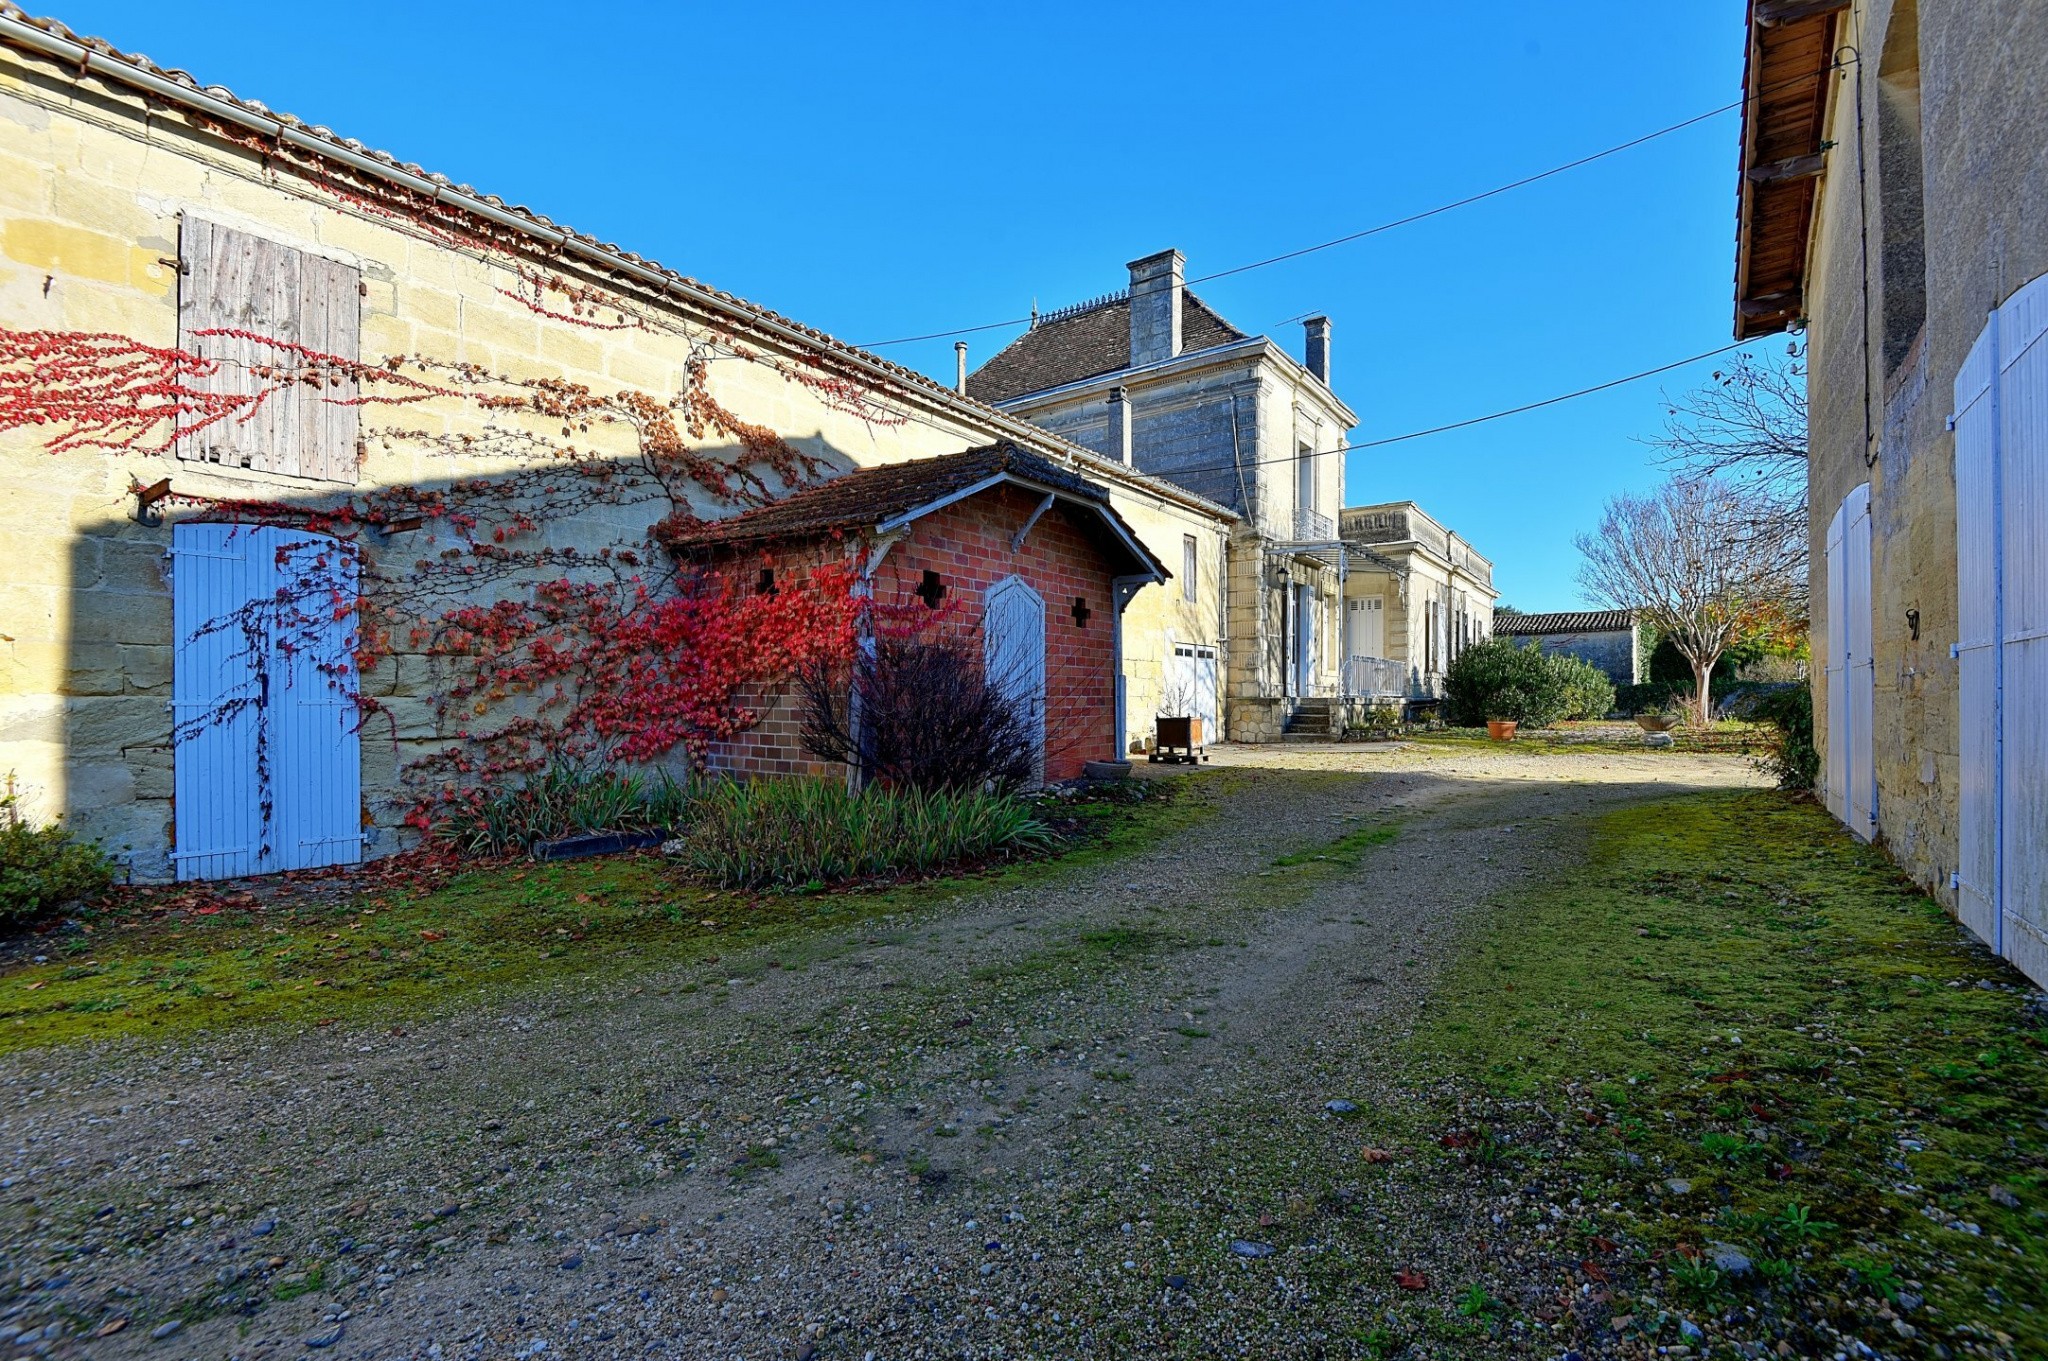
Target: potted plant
{"points": [[1657, 723], [1502, 729]]}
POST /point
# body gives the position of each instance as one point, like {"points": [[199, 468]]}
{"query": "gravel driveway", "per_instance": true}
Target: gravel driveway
{"points": [[1042, 1121]]}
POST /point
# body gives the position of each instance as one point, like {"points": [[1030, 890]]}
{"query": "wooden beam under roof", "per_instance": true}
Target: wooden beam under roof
{"points": [[1771, 13]]}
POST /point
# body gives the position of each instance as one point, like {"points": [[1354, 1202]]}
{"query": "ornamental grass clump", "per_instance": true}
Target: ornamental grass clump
{"points": [[800, 833], [566, 800]]}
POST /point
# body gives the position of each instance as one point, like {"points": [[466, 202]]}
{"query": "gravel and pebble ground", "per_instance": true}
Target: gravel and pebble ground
{"points": [[1097, 1115]]}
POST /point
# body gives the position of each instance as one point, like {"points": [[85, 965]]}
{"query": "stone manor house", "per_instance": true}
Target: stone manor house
{"points": [[1323, 607]]}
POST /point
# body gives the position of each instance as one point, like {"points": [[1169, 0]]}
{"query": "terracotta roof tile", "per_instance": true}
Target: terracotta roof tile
{"points": [[1565, 621]]}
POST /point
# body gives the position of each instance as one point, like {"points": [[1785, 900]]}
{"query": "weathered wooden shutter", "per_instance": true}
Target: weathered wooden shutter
{"points": [[257, 307], [1850, 784], [1978, 633], [2001, 426], [1861, 666], [267, 763]]}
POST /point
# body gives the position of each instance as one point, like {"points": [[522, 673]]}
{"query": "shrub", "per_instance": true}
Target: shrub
{"points": [[566, 800], [930, 717], [1588, 693], [42, 868], [1497, 679], [1792, 759], [1650, 697], [796, 833]]}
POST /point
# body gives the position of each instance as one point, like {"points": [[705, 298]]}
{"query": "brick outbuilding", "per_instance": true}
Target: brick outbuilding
{"points": [[1026, 555]]}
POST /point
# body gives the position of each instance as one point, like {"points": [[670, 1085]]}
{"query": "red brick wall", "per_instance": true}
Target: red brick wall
{"points": [[968, 545]]}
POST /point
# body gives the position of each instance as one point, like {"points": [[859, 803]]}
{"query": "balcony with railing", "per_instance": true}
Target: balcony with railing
{"points": [[1313, 527]]}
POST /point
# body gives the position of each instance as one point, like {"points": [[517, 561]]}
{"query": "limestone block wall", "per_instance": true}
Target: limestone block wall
{"points": [[1614, 652], [94, 187], [1979, 153]]}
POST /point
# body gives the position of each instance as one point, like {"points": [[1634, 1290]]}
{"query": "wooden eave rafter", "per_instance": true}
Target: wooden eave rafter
{"points": [[1785, 86]]}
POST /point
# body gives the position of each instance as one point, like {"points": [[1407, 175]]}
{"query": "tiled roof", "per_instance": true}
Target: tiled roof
{"points": [[868, 497], [1084, 343], [1566, 621], [108, 62]]}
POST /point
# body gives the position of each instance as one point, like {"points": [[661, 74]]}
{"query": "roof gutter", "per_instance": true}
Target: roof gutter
{"points": [[84, 59]]}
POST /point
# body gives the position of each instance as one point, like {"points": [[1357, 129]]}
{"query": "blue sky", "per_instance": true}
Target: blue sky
{"points": [[880, 170]]}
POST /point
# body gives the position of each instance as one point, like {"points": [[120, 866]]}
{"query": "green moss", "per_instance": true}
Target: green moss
{"points": [[304, 960], [1346, 851], [1734, 994]]}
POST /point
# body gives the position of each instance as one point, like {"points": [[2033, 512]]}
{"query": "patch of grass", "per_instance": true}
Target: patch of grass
{"points": [[314, 1279], [1346, 852], [306, 959], [1564, 739], [1733, 995]]}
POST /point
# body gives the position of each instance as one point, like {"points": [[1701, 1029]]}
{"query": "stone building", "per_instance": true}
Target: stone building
{"points": [[1416, 595], [1894, 168], [1156, 379], [1610, 639], [245, 361]]}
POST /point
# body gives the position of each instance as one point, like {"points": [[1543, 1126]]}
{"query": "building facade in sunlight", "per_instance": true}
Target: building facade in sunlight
{"points": [[1154, 378], [1894, 164], [260, 383]]}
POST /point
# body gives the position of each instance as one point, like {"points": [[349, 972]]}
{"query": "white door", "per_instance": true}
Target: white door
{"points": [[1851, 776], [1194, 676], [1013, 636], [2001, 426], [267, 764], [1365, 626], [1304, 640]]}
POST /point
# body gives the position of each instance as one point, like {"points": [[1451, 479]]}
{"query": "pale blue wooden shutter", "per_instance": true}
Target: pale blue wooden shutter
{"points": [[267, 758], [216, 702]]}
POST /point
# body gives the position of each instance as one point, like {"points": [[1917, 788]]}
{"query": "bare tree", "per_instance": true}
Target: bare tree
{"points": [[1707, 560], [918, 712], [1749, 425]]}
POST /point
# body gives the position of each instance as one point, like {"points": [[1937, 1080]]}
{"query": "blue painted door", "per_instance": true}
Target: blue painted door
{"points": [[267, 756]]}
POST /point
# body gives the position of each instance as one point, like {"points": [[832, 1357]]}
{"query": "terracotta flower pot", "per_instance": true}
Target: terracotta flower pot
{"points": [[1501, 729]]}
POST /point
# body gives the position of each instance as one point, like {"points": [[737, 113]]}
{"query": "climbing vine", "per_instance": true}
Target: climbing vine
{"points": [[540, 649]]}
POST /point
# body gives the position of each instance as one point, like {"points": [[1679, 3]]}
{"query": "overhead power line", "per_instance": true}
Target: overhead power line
{"points": [[1410, 219], [1385, 440]]}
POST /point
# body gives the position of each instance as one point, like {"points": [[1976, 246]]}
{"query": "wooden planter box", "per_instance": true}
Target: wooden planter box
{"points": [[1178, 740]]}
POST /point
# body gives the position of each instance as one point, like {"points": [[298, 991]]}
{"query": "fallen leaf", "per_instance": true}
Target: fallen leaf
{"points": [[1376, 1155], [1593, 1270], [431, 936], [111, 1326], [1408, 1278], [1459, 1138]]}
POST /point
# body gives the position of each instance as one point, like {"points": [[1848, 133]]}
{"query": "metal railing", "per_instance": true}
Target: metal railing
{"points": [[1313, 527], [1376, 678]]}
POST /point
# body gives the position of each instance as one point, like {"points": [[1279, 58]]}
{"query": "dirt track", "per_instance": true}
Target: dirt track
{"points": [[1008, 1126]]}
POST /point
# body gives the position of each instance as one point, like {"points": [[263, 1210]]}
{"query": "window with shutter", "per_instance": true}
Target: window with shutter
{"points": [[245, 302]]}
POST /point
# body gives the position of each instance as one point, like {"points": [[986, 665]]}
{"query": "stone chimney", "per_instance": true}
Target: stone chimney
{"points": [[960, 366], [1156, 289], [1119, 447], [1318, 349]]}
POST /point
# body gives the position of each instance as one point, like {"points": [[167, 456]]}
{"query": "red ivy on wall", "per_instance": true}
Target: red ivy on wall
{"points": [[541, 649]]}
